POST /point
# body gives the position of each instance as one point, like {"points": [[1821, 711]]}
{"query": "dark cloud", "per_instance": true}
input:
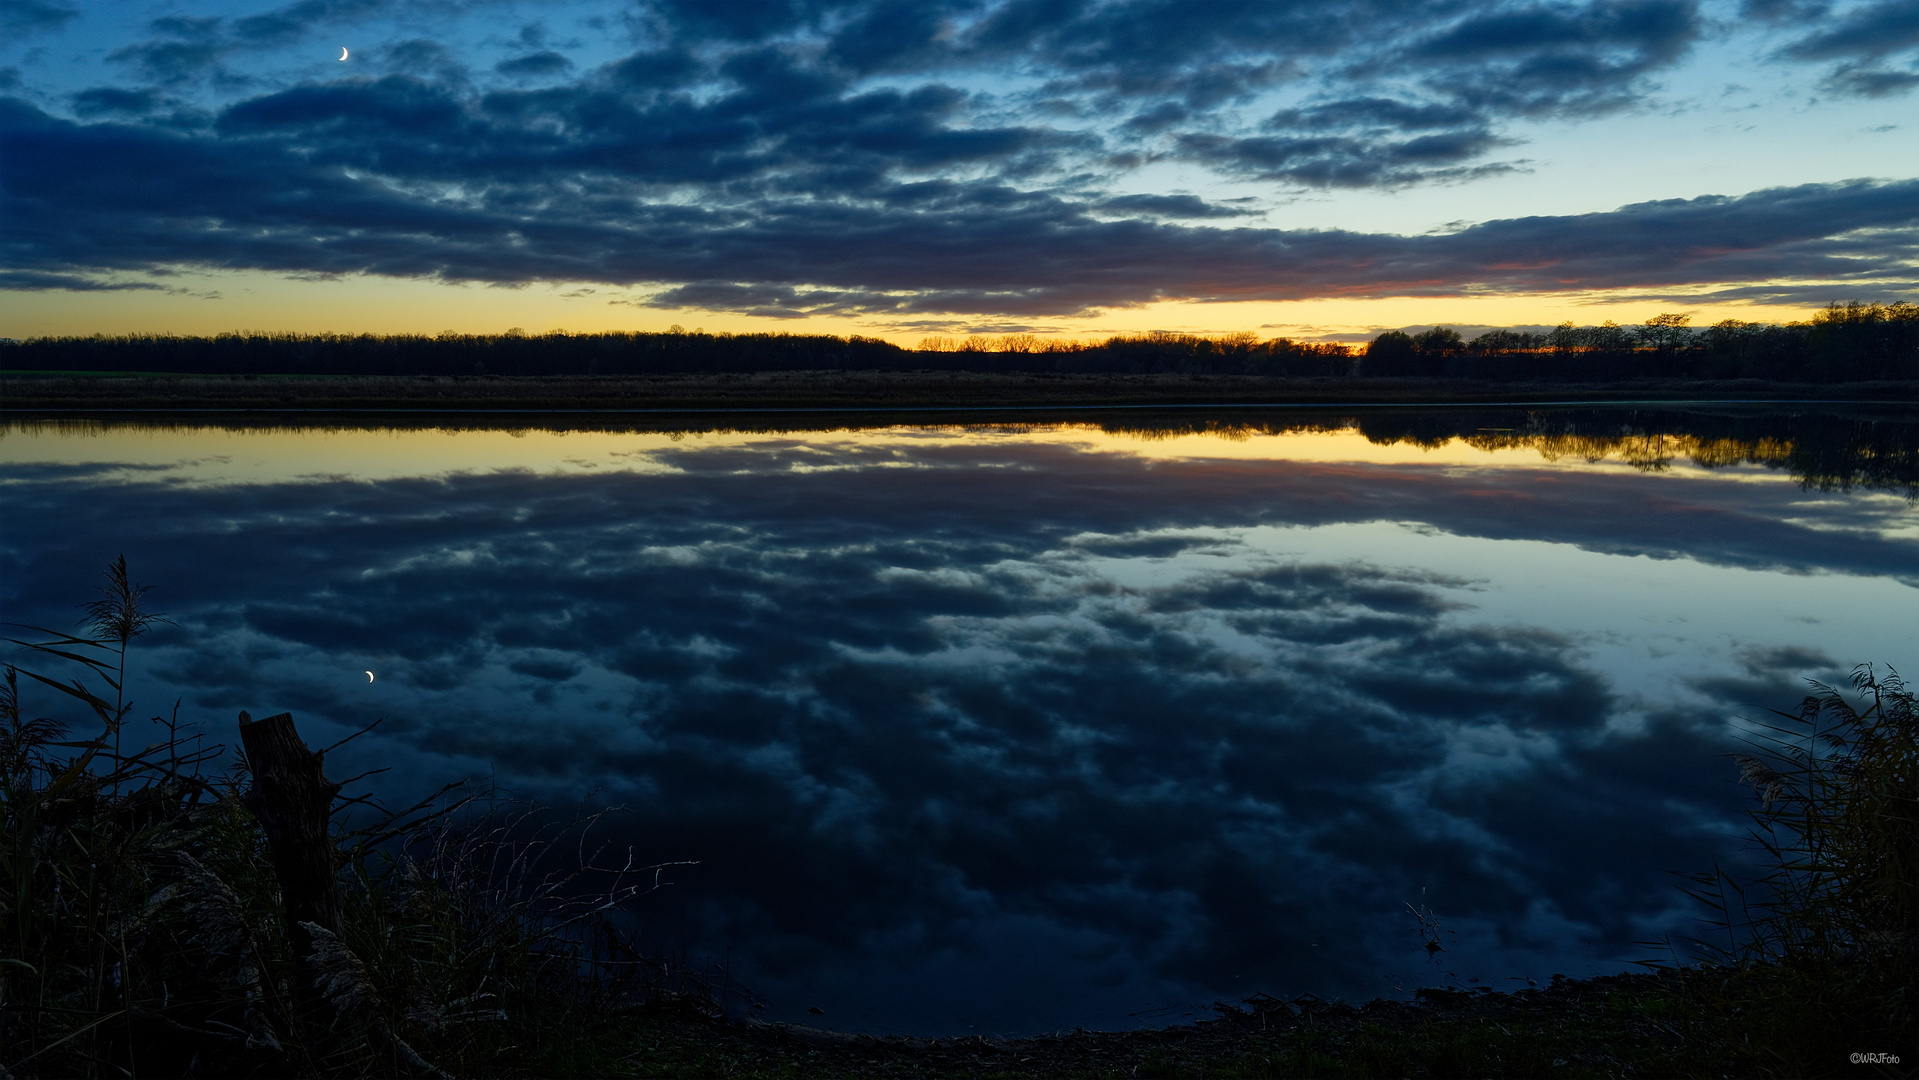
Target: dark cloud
{"points": [[1503, 60], [1190, 207], [397, 106], [1328, 161], [534, 64], [1863, 41], [36, 281], [1374, 112], [1897, 285], [1159, 117], [188, 28], [290, 22], [1773, 11], [1202, 56], [765, 301], [1359, 142], [22, 17], [1163, 63], [1873, 82], [1867, 32], [172, 61], [892, 35], [655, 70], [270, 190], [107, 100], [1557, 59], [737, 20]]}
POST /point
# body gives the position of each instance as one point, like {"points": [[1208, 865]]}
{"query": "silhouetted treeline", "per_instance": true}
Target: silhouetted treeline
{"points": [[451, 354], [1157, 352], [661, 353], [1845, 343]]}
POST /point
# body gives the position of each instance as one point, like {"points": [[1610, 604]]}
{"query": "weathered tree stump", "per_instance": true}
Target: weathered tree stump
{"points": [[293, 801]]}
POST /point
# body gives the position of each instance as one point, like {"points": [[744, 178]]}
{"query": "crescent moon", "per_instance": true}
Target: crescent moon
{"points": [[369, 676], [343, 53]]}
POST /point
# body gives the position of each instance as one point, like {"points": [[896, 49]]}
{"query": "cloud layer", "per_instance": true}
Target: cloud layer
{"points": [[897, 159]]}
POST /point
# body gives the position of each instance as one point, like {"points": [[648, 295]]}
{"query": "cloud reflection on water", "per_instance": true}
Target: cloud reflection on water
{"points": [[942, 717]]}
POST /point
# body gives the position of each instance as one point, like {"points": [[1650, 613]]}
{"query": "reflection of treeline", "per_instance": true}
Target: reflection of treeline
{"points": [[1822, 451], [1828, 451], [1844, 343], [674, 352]]}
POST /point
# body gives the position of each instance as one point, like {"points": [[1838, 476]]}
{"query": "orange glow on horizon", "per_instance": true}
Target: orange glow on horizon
{"points": [[205, 303]]}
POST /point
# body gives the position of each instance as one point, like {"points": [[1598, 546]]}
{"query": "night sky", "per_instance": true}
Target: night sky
{"points": [[1322, 169]]}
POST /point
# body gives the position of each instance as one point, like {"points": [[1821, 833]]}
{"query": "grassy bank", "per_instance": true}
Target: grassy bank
{"points": [[26, 392]]}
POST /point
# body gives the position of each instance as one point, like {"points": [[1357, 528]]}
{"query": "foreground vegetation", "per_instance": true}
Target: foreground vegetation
{"points": [[145, 930]]}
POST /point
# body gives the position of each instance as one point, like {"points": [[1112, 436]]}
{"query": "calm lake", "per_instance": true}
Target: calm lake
{"points": [[1012, 728]]}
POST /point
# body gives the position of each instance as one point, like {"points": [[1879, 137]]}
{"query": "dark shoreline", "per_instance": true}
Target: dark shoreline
{"points": [[1662, 1022], [867, 391]]}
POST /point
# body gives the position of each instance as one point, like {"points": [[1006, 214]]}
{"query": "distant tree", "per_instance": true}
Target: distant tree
{"points": [[1666, 331], [1436, 351], [1391, 353], [1498, 341], [1567, 338], [1609, 337], [1282, 356], [1503, 354], [1439, 342], [1855, 341], [1728, 348]]}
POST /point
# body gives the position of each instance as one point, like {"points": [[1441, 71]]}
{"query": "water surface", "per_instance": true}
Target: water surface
{"points": [[1016, 728]]}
